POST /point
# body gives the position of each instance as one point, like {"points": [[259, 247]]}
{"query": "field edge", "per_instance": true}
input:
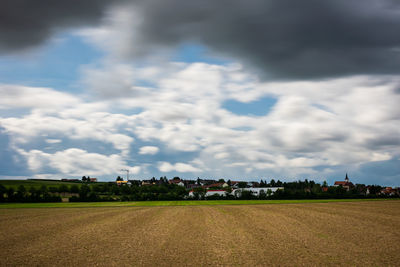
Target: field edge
{"points": [[178, 203]]}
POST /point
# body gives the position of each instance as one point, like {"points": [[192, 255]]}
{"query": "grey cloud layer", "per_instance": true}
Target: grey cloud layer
{"points": [[282, 38], [26, 23]]}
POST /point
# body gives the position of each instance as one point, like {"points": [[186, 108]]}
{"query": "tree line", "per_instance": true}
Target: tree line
{"points": [[306, 189]]}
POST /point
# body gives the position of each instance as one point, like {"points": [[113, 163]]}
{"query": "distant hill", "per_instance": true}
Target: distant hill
{"points": [[37, 183]]}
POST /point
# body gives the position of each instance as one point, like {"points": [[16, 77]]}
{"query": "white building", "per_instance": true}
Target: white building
{"points": [[216, 192], [256, 190], [211, 193]]}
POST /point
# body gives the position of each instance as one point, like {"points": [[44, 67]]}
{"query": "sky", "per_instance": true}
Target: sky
{"points": [[240, 90]]}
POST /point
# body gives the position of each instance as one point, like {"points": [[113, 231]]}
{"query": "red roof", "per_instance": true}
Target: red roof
{"points": [[344, 184], [175, 181], [213, 185], [220, 190]]}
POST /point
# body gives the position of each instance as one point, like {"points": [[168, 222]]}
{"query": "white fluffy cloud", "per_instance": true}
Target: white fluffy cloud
{"points": [[148, 150], [73, 161], [76, 123], [16, 96], [314, 124], [177, 167]]}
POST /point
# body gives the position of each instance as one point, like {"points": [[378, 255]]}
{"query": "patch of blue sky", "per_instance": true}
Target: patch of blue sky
{"points": [[146, 83], [260, 107], [322, 107], [190, 52], [14, 112], [54, 65], [126, 111], [11, 163], [54, 143], [244, 128]]}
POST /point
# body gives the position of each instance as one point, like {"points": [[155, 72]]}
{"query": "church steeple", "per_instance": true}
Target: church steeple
{"points": [[347, 178]]}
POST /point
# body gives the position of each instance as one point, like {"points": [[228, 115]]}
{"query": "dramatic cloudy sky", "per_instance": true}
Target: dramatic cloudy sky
{"points": [[225, 89]]}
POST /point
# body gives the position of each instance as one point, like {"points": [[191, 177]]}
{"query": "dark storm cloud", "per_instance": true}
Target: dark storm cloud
{"points": [[282, 38], [26, 23], [286, 38]]}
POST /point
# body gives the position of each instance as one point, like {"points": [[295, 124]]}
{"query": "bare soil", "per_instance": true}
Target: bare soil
{"points": [[328, 234]]}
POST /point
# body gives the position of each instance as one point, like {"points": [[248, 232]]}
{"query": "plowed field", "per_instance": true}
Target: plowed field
{"points": [[351, 234]]}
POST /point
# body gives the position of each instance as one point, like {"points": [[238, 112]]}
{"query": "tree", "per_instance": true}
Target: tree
{"points": [[115, 190], [21, 192], [84, 191], [3, 190], [269, 192], [221, 181], [32, 191], [374, 189], [84, 179], [63, 188], [262, 194], [53, 189], [246, 194], [199, 192], [43, 190], [242, 184], [97, 188], [21, 189], [228, 189], [74, 189], [10, 194], [119, 178]]}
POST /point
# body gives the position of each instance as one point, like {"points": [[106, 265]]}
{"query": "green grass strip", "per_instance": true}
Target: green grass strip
{"points": [[178, 203]]}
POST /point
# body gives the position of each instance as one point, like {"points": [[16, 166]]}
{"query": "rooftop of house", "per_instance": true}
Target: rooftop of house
{"points": [[214, 185], [216, 190]]}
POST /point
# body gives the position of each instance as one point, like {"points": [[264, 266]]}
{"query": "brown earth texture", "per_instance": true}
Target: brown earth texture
{"points": [[317, 234]]}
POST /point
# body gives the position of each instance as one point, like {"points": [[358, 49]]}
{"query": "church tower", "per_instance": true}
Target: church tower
{"points": [[346, 179]]}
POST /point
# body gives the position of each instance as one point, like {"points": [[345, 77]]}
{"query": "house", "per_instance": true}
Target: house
{"points": [[215, 185], [389, 191], [121, 182], [192, 186], [256, 191], [253, 184], [175, 180], [93, 180], [146, 182], [134, 182], [203, 182], [235, 184], [216, 192], [346, 184]]}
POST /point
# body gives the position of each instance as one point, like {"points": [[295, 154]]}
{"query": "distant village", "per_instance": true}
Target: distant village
{"points": [[90, 189], [220, 188]]}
